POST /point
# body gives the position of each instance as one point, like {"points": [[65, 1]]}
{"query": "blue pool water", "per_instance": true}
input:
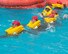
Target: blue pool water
{"points": [[53, 41]]}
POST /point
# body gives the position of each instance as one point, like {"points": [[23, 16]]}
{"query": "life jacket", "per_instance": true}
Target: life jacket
{"points": [[45, 13]]}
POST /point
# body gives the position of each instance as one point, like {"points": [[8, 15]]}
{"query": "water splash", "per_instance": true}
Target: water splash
{"points": [[65, 16], [50, 28]]}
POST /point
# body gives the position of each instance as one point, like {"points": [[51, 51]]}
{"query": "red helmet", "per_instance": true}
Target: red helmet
{"points": [[51, 15], [16, 23], [54, 11], [35, 17], [59, 2]]}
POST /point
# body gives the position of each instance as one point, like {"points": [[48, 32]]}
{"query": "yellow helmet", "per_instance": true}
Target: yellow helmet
{"points": [[48, 7]]}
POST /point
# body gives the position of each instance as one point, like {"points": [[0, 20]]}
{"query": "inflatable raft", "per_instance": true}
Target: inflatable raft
{"points": [[14, 31], [34, 25], [29, 3], [22, 3]]}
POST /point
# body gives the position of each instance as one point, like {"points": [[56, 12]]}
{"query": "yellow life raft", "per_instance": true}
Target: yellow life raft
{"points": [[34, 25], [58, 6], [45, 13], [50, 20], [13, 31]]}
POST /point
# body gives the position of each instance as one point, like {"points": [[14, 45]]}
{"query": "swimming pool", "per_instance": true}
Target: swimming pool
{"points": [[54, 41]]}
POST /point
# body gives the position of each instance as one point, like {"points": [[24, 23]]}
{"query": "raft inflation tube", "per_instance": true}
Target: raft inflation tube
{"points": [[14, 31], [34, 25]]}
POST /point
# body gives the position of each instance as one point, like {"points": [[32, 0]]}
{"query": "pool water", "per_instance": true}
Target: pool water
{"points": [[41, 41]]}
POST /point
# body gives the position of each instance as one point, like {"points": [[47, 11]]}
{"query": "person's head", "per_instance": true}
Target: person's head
{"points": [[47, 9], [54, 12], [15, 23], [35, 18], [59, 2]]}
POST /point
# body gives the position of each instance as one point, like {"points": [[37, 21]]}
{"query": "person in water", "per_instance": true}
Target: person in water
{"points": [[15, 23], [47, 9], [34, 19]]}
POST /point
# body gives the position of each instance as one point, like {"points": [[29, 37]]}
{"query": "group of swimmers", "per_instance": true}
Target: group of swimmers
{"points": [[49, 15]]}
